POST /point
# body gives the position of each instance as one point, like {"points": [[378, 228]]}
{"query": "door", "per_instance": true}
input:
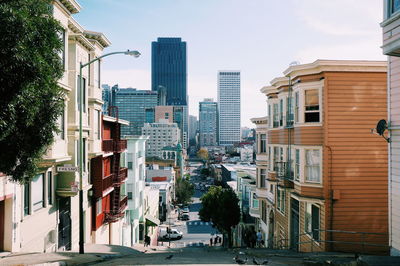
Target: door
{"points": [[64, 225], [294, 224], [2, 214]]}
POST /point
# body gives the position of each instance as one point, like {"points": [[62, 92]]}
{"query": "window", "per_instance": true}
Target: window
{"points": [[297, 165], [276, 115], [311, 108], [269, 158], [289, 115], [98, 124], [281, 201], [50, 188], [263, 175], [99, 207], [296, 107], [84, 155], [311, 222], [130, 195], [37, 192], [254, 201], [271, 189], [281, 112], [394, 6], [312, 165], [269, 116], [263, 143], [276, 158], [27, 199]]}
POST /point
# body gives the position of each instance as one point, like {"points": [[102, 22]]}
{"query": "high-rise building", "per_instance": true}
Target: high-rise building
{"points": [[208, 123], [193, 127], [131, 105], [106, 97], [229, 107], [168, 69]]}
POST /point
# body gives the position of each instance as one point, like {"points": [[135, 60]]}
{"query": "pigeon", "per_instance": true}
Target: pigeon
{"points": [[255, 262], [154, 249], [169, 257], [265, 262], [240, 261]]}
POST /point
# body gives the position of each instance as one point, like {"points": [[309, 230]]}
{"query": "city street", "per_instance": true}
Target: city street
{"points": [[195, 232]]}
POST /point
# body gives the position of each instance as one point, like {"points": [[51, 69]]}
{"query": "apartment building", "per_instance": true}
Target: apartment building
{"points": [[161, 135], [136, 162], [328, 171], [108, 175], [264, 191], [391, 48], [50, 199]]}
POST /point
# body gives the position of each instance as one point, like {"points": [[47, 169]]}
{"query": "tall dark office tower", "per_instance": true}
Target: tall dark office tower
{"points": [[168, 69]]}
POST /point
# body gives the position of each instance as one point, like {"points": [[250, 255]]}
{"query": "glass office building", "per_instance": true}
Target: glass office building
{"points": [[229, 107], [208, 123], [131, 105], [168, 69]]}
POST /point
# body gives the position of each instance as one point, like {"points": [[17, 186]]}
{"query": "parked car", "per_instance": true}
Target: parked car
{"points": [[167, 233], [185, 217]]}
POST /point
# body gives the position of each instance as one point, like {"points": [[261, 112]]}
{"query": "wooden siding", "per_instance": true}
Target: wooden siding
{"points": [[307, 191], [282, 230], [394, 179], [307, 245], [308, 135], [355, 164]]}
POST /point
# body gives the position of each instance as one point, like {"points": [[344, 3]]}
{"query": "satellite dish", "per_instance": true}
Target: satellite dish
{"points": [[380, 129], [294, 63]]}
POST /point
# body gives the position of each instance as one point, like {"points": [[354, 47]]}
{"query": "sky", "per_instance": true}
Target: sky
{"points": [[258, 37]]}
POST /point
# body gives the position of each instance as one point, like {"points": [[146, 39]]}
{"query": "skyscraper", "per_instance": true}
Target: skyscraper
{"points": [[229, 107], [168, 69], [193, 127], [208, 123], [131, 105]]}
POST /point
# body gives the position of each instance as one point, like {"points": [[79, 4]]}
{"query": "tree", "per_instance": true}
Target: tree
{"points": [[31, 100], [203, 155], [221, 206], [184, 191]]}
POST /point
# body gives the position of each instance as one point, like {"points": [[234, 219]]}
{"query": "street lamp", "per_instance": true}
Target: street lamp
{"points": [[81, 231]]}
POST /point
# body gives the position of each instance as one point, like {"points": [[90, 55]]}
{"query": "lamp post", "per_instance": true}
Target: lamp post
{"points": [[81, 231]]}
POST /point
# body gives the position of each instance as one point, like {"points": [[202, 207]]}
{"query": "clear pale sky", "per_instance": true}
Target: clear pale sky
{"points": [[259, 37]]}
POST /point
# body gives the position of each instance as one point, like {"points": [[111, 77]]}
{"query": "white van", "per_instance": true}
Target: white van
{"points": [[166, 233]]}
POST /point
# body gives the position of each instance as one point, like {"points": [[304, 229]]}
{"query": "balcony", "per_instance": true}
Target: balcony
{"points": [[123, 204], [114, 215], [108, 145], [122, 176], [103, 186], [120, 145]]}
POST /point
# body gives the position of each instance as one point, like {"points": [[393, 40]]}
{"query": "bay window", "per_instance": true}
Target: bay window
{"points": [[312, 166], [311, 106]]}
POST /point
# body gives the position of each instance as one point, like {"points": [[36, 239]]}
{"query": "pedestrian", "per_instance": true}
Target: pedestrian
{"points": [[259, 239], [211, 241], [147, 241]]}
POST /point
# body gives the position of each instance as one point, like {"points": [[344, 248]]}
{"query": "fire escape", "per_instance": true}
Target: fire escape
{"points": [[117, 205], [284, 169]]}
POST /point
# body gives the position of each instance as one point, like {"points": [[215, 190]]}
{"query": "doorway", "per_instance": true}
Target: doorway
{"points": [[294, 225], [64, 225]]}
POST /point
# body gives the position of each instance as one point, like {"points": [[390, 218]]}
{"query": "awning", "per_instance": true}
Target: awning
{"points": [[153, 221]]}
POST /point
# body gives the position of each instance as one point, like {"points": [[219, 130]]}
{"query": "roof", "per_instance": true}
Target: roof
{"points": [[113, 119], [99, 37]]}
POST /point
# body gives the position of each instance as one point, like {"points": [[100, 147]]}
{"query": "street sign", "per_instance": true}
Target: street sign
{"points": [[67, 169]]}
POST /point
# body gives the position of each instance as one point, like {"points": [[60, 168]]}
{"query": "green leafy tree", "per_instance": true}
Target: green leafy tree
{"points": [[31, 100], [221, 206], [203, 155], [184, 191]]}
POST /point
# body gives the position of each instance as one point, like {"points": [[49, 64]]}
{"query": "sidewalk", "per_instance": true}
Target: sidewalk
{"points": [[93, 253]]}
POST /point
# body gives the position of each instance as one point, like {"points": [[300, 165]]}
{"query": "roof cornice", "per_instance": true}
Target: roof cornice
{"points": [[71, 5], [321, 65], [74, 26], [82, 40], [99, 37]]}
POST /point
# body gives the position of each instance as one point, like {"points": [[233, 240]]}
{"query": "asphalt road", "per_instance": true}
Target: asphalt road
{"points": [[195, 232]]}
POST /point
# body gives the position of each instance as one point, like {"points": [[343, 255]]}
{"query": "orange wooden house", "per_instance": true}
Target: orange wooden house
{"points": [[328, 170]]}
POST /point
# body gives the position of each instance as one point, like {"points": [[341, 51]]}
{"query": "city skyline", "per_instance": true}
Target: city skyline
{"points": [[246, 38]]}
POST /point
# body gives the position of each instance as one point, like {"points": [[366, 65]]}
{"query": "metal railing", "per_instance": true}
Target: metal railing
{"points": [[360, 246]]}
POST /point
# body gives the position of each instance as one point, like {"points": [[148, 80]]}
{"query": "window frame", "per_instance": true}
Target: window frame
{"points": [[99, 206], [310, 223], [391, 8], [37, 204], [263, 143], [319, 166], [281, 201], [50, 188], [312, 111]]}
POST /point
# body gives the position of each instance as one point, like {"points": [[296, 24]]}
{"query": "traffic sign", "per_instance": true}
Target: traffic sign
{"points": [[67, 169]]}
